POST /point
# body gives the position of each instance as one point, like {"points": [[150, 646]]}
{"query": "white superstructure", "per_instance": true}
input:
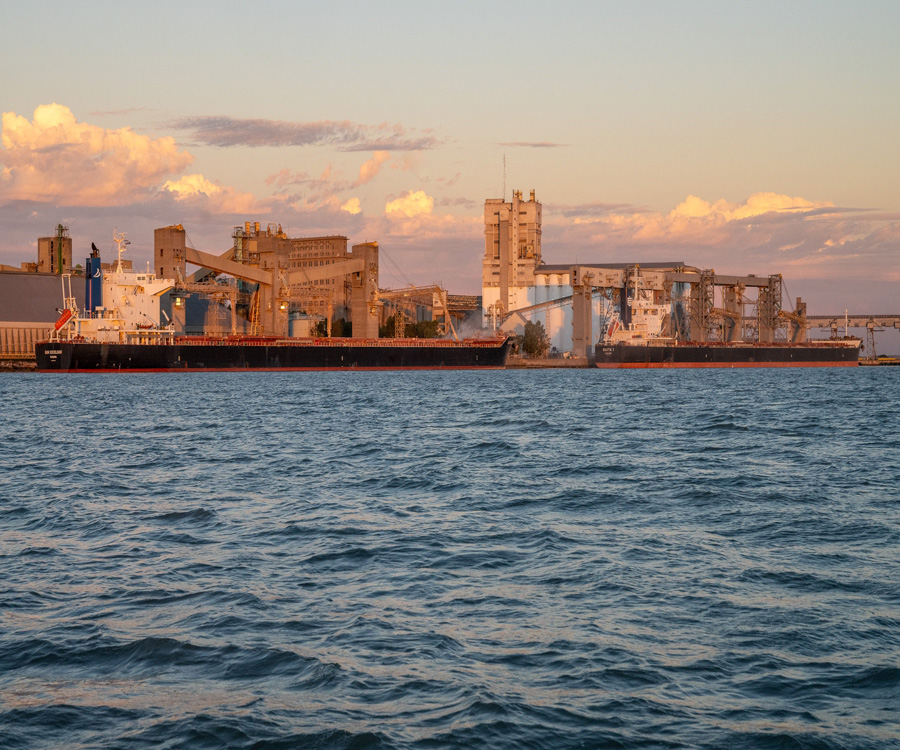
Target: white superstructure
{"points": [[649, 320], [132, 308]]}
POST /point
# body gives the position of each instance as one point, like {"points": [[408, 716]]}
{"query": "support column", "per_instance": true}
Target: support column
{"points": [[768, 307], [799, 325], [732, 303], [701, 305], [582, 335], [505, 264], [364, 310]]}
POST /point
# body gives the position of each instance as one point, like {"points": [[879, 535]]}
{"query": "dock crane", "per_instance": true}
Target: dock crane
{"points": [[433, 296]]}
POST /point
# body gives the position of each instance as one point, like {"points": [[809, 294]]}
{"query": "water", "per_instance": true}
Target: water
{"points": [[574, 559]]}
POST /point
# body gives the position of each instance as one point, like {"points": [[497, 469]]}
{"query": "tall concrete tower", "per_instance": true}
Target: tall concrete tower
{"points": [[168, 252], [364, 307], [512, 250], [55, 253]]}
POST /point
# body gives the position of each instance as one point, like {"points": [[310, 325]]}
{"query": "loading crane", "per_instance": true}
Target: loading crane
{"points": [[279, 284], [433, 296]]}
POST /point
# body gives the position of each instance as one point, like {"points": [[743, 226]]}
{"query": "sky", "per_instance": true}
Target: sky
{"points": [[743, 137]]}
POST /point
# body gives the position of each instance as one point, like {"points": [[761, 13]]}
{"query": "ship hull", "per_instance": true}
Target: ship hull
{"points": [[823, 354], [228, 355]]}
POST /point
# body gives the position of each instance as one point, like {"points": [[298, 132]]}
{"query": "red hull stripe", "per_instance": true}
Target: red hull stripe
{"points": [[720, 365], [265, 369]]}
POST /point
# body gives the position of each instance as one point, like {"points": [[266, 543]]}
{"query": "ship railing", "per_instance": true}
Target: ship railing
{"points": [[336, 342], [149, 336], [821, 344]]}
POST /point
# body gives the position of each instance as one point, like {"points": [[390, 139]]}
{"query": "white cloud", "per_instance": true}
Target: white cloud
{"points": [[191, 184], [351, 206], [756, 205], [696, 221], [766, 233], [56, 158], [216, 199], [410, 205]]}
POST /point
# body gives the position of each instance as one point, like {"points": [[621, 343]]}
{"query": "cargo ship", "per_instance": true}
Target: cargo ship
{"points": [[643, 344], [687, 354], [121, 330], [241, 353]]}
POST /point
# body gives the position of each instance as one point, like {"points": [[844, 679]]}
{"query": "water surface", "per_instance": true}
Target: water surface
{"points": [[521, 559]]}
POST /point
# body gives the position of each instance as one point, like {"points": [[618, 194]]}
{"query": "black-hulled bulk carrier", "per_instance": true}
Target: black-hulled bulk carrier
{"points": [[642, 344], [126, 335], [240, 353], [656, 354]]}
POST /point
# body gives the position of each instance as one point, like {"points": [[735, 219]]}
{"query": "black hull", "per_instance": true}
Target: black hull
{"points": [[821, 354], [249, 355]]}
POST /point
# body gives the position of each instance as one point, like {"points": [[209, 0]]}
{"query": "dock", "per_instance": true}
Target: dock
{"points": [[546, 363]]}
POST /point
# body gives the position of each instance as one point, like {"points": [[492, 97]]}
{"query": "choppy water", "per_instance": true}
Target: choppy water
{"points": [[574, 559]]}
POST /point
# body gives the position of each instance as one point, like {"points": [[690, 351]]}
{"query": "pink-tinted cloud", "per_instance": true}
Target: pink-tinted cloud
{"points": [[370, 169], [345, 136], [117, 112], [407, 162], [446, 182], [466, 203], [409, 205], [533, 144], [217, 199], [586, 211], [56, 158], [767, 233], [327, 187]]}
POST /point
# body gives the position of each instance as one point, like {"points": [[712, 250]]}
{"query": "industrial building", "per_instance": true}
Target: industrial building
{"points": [[277, 276], [266, 283], [512, 253], [29, 306], [576, 302]]}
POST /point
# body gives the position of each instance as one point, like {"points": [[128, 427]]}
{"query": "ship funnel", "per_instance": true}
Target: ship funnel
{"points": [[93, 281]]}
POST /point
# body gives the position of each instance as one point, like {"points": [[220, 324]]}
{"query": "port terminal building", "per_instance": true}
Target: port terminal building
{"points": [[577, 303], [268, 283], [265, 283]]}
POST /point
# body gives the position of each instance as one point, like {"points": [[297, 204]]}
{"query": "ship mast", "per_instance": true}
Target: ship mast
{"points": [[119, 239]]}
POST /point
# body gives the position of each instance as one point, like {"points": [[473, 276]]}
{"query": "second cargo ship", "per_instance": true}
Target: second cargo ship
{"points": [[643, 345]]}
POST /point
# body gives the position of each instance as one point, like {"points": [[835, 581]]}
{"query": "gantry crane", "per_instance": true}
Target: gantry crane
{"points": [[433, 296]]}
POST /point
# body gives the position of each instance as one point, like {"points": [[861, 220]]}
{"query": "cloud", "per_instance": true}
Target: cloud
{"points": [[766, 233], [694, 220], [370, 169], [757, 204], [218, 199], [117, 112], [190, 185], [406, 163], [346, 136], [410, 205], [325, 189], [56, 158], [587, 211], [534, 144], [467, 203], [351, 206]]}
